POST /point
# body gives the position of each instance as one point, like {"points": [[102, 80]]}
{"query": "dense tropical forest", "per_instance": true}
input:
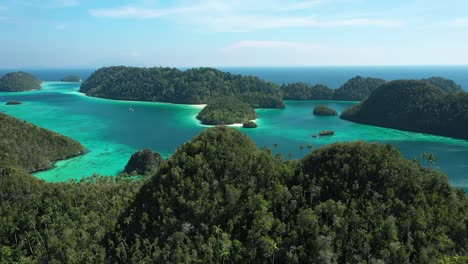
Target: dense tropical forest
{"points": [[323, 110], [19, 82], [144, 162], [71, 78], [355, 89], [193, 86], [444, 84], [305, 91], [414, 106], [32, 148], [226, 111], [220, 199]]}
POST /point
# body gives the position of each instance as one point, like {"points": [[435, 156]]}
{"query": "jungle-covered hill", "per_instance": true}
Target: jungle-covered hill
{"points": [[414, 106], [220, 199], [19, 82], [32, 148]]}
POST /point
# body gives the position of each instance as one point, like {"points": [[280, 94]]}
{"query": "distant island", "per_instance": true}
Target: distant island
{"points": [[414, 106], [71, 78], [32, 148], [444, 84], [192, 86], [323, 110], [355, 89], [226, 111], [13, 102], [19, 82]]}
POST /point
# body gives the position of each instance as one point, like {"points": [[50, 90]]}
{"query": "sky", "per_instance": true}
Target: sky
{"points": [[194, 33]]}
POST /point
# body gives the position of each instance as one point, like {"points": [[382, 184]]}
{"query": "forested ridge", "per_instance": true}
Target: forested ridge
{"points": [[192, 86], [32, 148], [414, 106], [220, 199], [18, 82], [355, 89]]}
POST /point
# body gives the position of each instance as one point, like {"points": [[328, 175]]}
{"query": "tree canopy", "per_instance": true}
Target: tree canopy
{"points": [[323, 110], [226, 111], [192, 86], [444, 84], [220, 199], [32, 148], [19, 82], [305, 91], [144, 162], [414, 106], [357, 88]]}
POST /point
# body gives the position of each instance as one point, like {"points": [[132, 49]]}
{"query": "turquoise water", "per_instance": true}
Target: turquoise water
{"points": [[111, 133]]}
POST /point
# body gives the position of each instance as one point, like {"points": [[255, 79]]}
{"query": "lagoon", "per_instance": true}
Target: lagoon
{"points": [[111, 133]]}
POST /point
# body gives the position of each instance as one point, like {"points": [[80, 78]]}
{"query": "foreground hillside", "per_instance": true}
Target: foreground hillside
{"points": [[220, 199], [32, 148], [415, 106], [18, 82]]}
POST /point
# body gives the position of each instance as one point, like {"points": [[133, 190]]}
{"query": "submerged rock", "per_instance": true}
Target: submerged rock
{"points": [[13, 102]]}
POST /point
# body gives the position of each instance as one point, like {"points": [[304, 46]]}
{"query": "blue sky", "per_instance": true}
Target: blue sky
{"points": [[183, 33]]}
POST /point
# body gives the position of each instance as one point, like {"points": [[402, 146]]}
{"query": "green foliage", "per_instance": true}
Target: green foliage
{"points": [[193, 86], [225, 111], [444, 84], [323, 110], [250, 124], [58, 223], [18, 82], [305, 91], [71, 78], [357, 88], [259, 100], [219, 199], [414, 106], [32, 148], [144, 162]]}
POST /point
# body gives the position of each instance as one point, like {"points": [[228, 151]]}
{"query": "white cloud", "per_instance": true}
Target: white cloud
{"points": [[239, 16], [459, 22], [253, 23], [267, 44], [127, 12]]}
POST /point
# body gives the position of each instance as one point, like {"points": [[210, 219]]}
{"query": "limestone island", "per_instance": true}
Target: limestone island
{"points": [[249, 124], [144, 162], [355, 89], [226, 111], [171, 85], [13, 102], [414, 106], [323, 110], [32, 148], [71, 78], [19, 82]]}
